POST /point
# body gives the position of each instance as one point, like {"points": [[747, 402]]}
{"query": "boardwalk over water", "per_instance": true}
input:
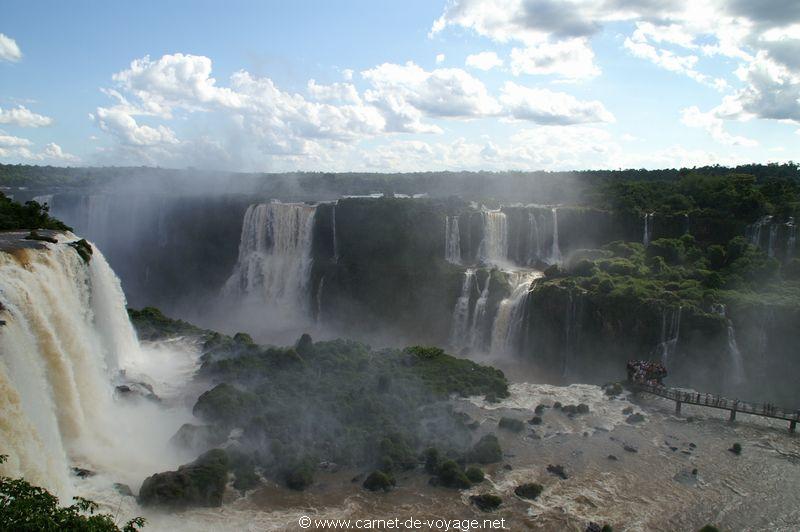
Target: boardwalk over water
{"points": [[723, 403]]}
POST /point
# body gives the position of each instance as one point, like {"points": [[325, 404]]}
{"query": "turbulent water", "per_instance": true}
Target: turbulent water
{"points": [[66, 342]]}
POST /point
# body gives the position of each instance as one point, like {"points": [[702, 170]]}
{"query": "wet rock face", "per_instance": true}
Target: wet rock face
{"points": [[201, 483]]}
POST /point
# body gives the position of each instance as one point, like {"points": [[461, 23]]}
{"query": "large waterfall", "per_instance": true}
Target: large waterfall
{"points": [[65, 339], [275, 256], [452, 240], [511, 313], [494, 244], [555, 252], [477, 332], [534, 239]]}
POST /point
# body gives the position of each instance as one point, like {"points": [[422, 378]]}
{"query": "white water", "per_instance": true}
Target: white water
{"points": [[555, 252], [670, 333], [459, 329], [791, 240], [66, 341], [648, 229], [773, 238], [479, 314], [534, 239], [44, 199], [753, 233], [494, 244], [275, 257], [735, 361], [508, 321], [452, 243]]}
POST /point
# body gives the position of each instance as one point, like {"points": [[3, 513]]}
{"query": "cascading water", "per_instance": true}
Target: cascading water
{"points": [[494, 245], [46, 199], [735, 362], [65, 340], [648, 229], [773, 238], [686, 224], [571, 332], [452, 243], [791, 239], [274, 256], [459, 331], [555, 252], [670, 333], [479, 313], [534, 239], [753, 233], [510, 314]]}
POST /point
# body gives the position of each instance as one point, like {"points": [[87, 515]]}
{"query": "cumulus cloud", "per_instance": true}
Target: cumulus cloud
{"points": [[439, 59], [23, 117], [22, 148], [9, 51], [484, 61], [544, 106], [571, 60], [693, 117]]}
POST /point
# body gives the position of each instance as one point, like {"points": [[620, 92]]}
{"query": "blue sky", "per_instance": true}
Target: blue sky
{"points": [[398, 86]]}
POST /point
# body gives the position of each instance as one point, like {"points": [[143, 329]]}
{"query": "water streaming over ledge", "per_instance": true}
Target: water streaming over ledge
{"points": [[275, 258]]}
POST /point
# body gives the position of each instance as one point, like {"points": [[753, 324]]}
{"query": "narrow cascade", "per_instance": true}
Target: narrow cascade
{"points": [[275, 256], [534, 239], [494, 245], [510, 315], [791, 240], [571, 333], [459, 330], [319, 299], [452, 242], [773, 238], [333, 230], [555, 252], [670, 333], [735, 362], [477, 334], [686, 224], [648, 229], [65, 341], [753, 233]]}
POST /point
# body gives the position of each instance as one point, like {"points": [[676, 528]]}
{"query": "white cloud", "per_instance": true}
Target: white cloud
{"points": [[439, 59], [9, 51], [12, 147], [544, 106], [571, 60], [484, 61], [693, 117], [23, 117], [123, 126], [335, 92], [347, 74]]}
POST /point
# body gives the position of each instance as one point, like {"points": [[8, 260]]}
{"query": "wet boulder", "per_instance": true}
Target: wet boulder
{"points": [[529, 490], [557, 470], [200, 483]]}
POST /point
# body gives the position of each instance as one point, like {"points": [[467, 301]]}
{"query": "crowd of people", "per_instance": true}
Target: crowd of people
{"points": [[646, 372]]}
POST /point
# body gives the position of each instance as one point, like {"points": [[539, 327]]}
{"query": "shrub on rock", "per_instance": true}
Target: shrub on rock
{"points": [[201, 483], [379, 481], [529, 490], [486, 451]]}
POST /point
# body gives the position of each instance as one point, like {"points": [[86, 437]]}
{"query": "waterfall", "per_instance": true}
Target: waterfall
{"points": [[686, 224], [274, 256], [459, 329], [753, 232], [319, 299], [65, 340], [670, 333], [648, 229], [571, 332], [773, 237], [478, 326], [452, 242], [534, 239], [510, 314], [791, 239], [555, 252], [493, 248], [333, 230], [735, 362]]}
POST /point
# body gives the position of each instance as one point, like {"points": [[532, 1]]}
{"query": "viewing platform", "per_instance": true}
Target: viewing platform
{"points": [[734, 406]]}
